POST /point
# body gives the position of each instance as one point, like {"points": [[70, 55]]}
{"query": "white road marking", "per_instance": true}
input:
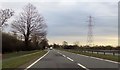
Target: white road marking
{"points": [[99, 58], [70, 59], [106, 60], [36, 61], [96, 58], [82, 66], [73, 60], [63, 55]]}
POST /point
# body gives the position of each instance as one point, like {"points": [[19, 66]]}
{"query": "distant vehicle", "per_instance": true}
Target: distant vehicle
{"points": [[51, 48], [46, 47]]}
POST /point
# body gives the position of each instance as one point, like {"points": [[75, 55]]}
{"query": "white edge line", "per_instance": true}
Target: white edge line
{"points": [[70, 59], [98, 58], [36, 61], [82, 66]]}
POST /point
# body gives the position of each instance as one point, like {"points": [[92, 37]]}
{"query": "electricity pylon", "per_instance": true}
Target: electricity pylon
{"points": [[90, 32]]}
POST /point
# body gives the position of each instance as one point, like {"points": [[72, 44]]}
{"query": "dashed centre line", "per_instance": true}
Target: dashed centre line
{"points": [[70, 59], [82, 66], [73, 60], [63, 55]]}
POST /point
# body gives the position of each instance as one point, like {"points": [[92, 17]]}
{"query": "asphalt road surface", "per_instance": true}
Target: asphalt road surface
{"points": [[57, 59]]}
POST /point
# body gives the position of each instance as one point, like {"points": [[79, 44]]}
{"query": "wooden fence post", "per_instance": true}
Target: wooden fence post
{"points": [[104, 53], [97, 52], [113, 53]]}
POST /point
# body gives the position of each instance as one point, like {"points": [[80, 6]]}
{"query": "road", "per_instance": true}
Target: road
{"points": [[60, 59]]}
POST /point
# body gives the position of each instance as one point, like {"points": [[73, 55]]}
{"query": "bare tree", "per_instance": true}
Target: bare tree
{"points": [[65, 43], [5, 15], [44, 43], [76, 43], [29, 23]]}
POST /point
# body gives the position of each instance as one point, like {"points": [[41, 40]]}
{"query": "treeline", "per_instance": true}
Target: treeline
{"points": [[11, 44], [97, 47]]}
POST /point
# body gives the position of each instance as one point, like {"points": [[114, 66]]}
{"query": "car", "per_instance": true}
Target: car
{"points": [[51, 48]]}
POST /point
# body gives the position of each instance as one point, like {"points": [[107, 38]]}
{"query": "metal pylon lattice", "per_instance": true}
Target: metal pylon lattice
{"points": [[90, 32]]}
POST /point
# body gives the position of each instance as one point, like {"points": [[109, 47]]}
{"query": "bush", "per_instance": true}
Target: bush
{"points": [[10, 43]]}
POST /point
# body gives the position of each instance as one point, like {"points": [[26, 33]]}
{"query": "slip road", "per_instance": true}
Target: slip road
{"points": [[61, 59]]}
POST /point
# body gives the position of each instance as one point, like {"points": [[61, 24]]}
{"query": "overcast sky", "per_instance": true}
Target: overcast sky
{"points": [[67, 20]]}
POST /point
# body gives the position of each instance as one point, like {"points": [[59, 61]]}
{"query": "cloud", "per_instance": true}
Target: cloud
{"points": [[66, 18], [75, 19], [59, 1]]}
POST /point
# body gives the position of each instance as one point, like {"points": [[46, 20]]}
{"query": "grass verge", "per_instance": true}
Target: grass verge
{"points": [[15, 54], [16, 61], [107, 56]]}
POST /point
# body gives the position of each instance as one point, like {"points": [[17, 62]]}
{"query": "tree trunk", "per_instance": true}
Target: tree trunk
{"points": [[26, 43]]}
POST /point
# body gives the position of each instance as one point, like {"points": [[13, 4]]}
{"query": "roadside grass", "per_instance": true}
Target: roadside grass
{"points": [[15, 54], [21, 58], [106, 56]]}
